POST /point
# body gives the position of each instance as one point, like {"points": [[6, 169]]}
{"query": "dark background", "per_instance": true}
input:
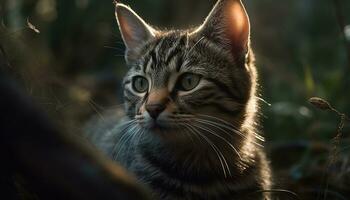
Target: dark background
{"points": [[74, 66]]}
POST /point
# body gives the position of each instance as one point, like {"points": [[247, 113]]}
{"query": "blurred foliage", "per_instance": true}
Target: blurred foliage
{"points": [[74, 66]]}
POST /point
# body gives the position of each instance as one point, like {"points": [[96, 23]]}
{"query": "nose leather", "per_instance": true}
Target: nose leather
{"points": [[154, 110], [157, 102]]}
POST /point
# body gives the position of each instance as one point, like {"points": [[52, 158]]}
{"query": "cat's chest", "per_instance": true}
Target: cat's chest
{"points": [[168, 187]]}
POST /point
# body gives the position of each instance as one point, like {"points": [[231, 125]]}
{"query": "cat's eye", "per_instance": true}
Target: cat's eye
{"points": [[189, 81], [140, 84]]}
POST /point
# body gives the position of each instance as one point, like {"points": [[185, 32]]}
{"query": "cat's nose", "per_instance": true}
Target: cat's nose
{"points": [[154, 110], [156, 102]]}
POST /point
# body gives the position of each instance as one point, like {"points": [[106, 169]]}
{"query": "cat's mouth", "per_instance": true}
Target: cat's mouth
{"points": [[159, 124], [156, 125], [153, 125]]}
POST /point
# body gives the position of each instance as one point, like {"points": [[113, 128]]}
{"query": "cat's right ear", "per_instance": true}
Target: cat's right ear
{"points": [[228, 26], [134, 30]]}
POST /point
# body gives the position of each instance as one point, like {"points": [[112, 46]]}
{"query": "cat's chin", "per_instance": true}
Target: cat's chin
{"points": [[169, 133], [158, 126], [162, 130]]}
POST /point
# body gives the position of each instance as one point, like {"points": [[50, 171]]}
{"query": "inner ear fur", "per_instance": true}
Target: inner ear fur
{"points": [[228, 26]]}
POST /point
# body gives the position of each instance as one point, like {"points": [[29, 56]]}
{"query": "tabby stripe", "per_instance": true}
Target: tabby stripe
{"points": [[126, 82], [128, 93], [206, 97], [130, 100], [174, 50], [152, 59], [159, 44], [155, 54], [227, 109], [204, 92], [148, 64], [152, 54], [179, 63], [172, 55], [226, 89]]}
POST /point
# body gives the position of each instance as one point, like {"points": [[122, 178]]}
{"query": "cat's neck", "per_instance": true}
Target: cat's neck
{"points": [[201, 163], [200, 174]]}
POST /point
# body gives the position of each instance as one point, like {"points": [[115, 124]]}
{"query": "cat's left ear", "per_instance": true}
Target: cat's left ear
{"points": [[134, 30], [228, 25]]}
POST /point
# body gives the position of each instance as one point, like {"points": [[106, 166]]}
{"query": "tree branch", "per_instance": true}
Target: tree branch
{"points": [[53, 165]]}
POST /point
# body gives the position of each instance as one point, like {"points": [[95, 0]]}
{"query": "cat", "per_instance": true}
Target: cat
{"points": [[191, 109]]}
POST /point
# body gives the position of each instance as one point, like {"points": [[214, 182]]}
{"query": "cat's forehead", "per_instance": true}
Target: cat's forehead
{"points": [[165, 53]]}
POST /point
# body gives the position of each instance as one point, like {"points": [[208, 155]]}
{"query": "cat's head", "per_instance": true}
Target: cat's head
{"points": [[192, 79]]}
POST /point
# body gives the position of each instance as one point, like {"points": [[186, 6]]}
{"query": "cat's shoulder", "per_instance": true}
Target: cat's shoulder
{"points": [[103, 129]]}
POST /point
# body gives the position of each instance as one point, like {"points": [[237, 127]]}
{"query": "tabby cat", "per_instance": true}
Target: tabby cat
{"points": [[191, 109]]}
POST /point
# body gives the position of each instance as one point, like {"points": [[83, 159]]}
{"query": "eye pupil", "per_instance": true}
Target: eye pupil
{"points": [[140, 84], [189, 81]]}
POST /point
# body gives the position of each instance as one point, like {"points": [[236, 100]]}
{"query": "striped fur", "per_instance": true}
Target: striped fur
{"points": [[208, 146]]}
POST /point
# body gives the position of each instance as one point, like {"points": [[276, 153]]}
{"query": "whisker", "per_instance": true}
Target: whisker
{"points": [[127, 126], [115, 48], [96, 105], [128, 136], [222, 138], [114, 106], [135, 133], [119, 55], [95, 108], [120, 141], [290, 193], [231, 126], [141, 135], [264, 101], [199, 138], [194, 46], [218, 126], [189, 135], [221, 157]]}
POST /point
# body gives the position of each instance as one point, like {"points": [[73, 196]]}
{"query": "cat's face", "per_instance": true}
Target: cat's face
{"points": [[188, 80]]}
